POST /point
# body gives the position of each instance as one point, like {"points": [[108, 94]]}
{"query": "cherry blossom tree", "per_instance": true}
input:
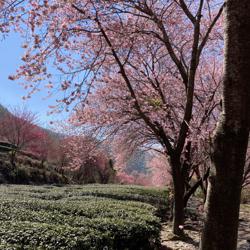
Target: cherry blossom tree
{"points": [[43, 146], [160, 170], [150, 66], [135, 166], [85, 160], [18, 128]]}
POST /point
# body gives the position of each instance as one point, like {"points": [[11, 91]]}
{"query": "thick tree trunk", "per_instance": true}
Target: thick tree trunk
{"points": [[220, 231], [178, 213], [178, 208], [230, 141], [181, 195]]}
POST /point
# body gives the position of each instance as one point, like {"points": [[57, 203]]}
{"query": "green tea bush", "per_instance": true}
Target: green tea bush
{"points": [[78, 217]]}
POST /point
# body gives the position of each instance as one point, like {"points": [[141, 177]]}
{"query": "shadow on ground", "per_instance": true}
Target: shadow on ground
{"points": [[193, 230]]}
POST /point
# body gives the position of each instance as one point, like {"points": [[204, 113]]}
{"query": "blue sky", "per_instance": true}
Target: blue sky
{"points": [[10, 91]]}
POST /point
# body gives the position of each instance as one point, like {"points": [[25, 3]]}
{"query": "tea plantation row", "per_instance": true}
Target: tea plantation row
{"points": [[80, 217]]}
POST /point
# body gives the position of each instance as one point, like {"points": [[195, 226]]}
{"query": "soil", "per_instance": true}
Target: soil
{"points": [[193, 227]]}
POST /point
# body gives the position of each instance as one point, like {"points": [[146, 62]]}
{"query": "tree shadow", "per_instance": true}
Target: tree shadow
{"points": [[165, 248], [185, 238], [244, 228], [190, 240]]}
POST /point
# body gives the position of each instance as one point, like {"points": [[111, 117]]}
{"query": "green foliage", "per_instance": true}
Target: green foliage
{"points": [[155, 102], [80, 217], [28, 171]]}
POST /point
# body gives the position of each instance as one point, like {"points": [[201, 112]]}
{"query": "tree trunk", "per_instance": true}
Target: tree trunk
{"points": [[229, 144], [193, 189], [13, 159], [178, 208], [220, 231]]}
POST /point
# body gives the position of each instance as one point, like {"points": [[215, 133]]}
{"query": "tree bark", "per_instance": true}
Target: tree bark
{"points": [[178, 208], [192, 189], [229, 145], [12, 156], [181, 194]]}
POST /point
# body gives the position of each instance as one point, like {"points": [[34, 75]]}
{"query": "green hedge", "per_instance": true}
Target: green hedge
{"points": [[154, 196], [77, 217]]}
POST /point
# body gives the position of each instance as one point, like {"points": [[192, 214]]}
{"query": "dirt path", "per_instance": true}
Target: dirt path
{"points": [[244, 228], [193, 231]]}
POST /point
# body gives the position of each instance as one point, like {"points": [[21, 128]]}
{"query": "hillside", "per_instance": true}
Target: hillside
{"points": [[30, 154], [3, 110], [28, 169], [53, 134], [48, 146]]}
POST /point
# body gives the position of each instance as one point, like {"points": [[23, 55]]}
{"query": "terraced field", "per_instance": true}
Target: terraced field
{"points": [[81, 217]]}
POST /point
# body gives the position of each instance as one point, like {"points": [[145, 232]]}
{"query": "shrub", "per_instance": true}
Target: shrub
{"points": [[77, 217]]}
